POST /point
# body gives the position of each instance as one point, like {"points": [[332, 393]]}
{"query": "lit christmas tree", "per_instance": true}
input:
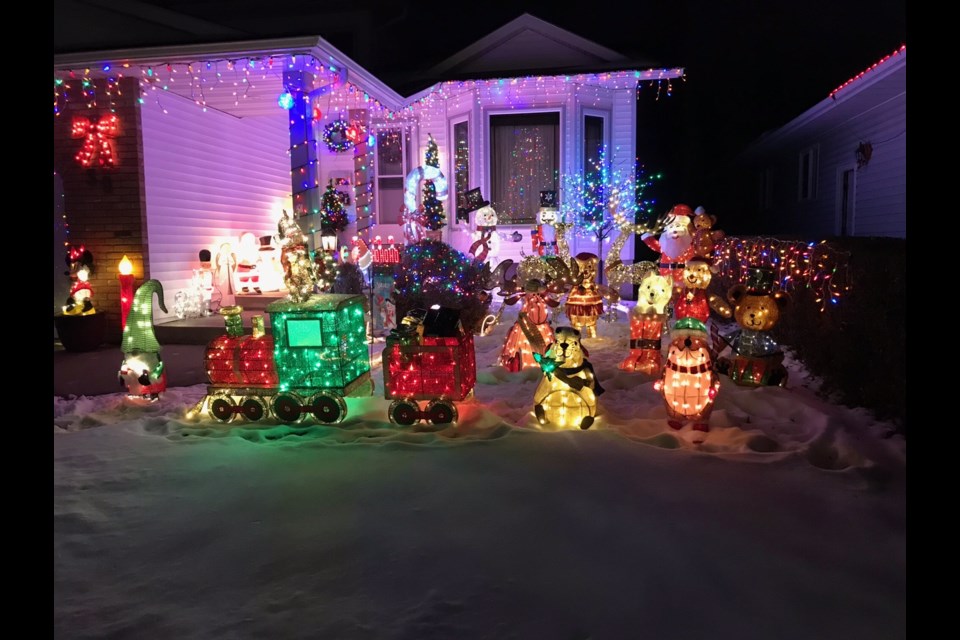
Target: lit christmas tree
{"points": [[333, 215], [433, 216]]}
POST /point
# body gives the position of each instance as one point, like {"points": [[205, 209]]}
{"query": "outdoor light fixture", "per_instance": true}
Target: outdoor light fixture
{"points": [[328, 241]]}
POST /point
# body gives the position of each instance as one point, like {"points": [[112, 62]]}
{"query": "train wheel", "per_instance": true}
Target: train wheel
{"points": [[328, 408], [441, 412], [254, 408], [222, 409], [286, 407], [405, 412]]}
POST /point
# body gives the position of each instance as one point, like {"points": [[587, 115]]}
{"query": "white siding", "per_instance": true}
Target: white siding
{"points": [[876, 115], [208, 178]]}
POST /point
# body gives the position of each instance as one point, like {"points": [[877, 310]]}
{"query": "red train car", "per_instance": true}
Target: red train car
{"points": [[429, 357]]}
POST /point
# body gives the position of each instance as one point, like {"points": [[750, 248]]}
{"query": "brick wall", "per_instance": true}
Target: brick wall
{"points": [[105, 208]]}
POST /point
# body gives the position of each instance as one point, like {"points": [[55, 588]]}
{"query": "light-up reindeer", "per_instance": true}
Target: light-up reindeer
{"points": [[534, 284]]}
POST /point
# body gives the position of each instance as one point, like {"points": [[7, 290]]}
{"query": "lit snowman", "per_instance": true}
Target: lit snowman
{"points": [[486, 240]]}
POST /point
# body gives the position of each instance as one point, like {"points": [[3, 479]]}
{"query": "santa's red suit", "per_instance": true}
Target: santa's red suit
{"points": [[674, 253]]}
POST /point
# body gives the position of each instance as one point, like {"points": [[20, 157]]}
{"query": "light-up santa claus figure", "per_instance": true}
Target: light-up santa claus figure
{"points": [[675, 243], [248, 275], [689, 384]]}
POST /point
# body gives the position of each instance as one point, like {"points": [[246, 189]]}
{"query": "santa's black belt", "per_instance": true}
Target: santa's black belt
{"points": [[636, 343], [672, 265]]}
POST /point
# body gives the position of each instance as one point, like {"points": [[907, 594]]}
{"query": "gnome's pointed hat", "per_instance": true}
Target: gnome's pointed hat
{"points": [[138, 335]]}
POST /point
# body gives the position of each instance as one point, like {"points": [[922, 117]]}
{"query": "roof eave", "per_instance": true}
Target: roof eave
{"points": [[302, 45]]}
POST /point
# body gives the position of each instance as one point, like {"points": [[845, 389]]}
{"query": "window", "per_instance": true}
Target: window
{"points": [[807, 175], [524, 160], [461, 165], [391, 170], [593, 161]]}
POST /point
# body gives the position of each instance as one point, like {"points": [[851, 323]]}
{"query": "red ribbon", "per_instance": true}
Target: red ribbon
{"points": [[97, 140]]}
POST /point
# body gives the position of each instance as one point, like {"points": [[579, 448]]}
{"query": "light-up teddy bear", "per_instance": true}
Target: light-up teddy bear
{"points": [[585, 301], [705, 238], [692, 300]]}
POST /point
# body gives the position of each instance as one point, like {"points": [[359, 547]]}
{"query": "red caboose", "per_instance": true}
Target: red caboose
{"points": [[430, 357]]}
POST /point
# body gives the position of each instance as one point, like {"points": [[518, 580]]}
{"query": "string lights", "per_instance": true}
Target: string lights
{"points": [[902, 49], [820, 267]]}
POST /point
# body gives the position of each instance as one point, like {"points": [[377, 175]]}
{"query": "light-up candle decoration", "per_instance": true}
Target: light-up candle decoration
{"points": [[126, 289]]}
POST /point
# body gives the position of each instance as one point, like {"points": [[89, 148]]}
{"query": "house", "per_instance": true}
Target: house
{"points": [[839, 168], [162, 152]]}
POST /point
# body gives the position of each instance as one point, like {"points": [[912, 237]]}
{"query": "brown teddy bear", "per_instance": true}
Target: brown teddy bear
{"points": [[705, 238], [756, 358]]}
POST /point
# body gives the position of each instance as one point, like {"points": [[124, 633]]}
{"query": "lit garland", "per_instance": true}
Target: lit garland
{"points": [[797, 265], [203, 80], [335, 136]]}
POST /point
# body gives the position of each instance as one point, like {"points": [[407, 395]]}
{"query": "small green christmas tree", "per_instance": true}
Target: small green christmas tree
{"points": [[333, 215], [433, 215]]}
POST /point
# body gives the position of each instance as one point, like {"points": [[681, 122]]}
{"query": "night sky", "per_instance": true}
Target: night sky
{"points": [[751, 65]]}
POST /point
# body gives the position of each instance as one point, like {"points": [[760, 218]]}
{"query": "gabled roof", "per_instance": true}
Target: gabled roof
{"points": [[878, 83], [527, 43]]}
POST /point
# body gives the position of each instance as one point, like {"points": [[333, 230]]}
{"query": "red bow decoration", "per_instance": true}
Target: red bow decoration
{"points": [[97, 143]]}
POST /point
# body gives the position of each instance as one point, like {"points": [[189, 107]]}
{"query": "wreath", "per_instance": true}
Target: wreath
{"points": [[335, 136]]}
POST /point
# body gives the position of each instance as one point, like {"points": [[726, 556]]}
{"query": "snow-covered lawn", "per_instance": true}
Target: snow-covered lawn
{"points": [[788, 522]]}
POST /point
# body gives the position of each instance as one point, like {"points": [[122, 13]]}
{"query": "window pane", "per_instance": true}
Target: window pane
{"points": [[390, 152], [593, 167], [461, 162], [390, 200], [524, 160]]}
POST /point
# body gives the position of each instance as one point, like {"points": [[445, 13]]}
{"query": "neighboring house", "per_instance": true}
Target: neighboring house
{"points": [[204, 151], [839, 168]]}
